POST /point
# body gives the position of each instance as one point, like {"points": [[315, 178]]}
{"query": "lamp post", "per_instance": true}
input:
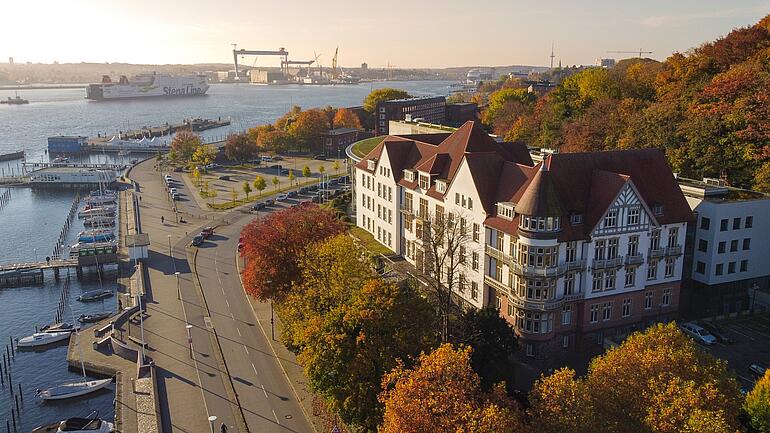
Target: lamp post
{"points": [[170, 255], [178, 288], [212, 418], [189, 339]]}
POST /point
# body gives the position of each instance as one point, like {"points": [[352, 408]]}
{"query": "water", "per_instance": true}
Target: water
{"points": [[31, 221]]}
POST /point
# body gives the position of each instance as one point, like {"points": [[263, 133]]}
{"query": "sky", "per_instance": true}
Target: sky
{"points": [[402, 33]]}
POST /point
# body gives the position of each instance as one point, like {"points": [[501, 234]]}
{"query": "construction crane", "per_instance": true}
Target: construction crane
{"points": [[236, 52], [640, 52], [334, 64], [287, 63]]}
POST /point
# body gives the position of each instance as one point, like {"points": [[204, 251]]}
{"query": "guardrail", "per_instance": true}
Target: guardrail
{"points": [[614, 262]]}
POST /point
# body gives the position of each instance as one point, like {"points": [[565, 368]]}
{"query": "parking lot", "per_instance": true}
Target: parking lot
{"points": [[751, 344]]}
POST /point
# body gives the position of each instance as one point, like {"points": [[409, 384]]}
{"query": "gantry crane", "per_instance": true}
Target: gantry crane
{"points": [[287, 63], [281, 52], [334, 64]]}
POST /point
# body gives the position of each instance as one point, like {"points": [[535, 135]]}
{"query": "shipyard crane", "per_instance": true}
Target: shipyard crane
{"points": [[639, 52], [287, 63], [334, 64], [236, 52]]}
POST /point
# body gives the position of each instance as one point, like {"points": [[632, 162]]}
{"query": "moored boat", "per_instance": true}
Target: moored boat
{"points": [[93, 318], [95, 295], [78, 425], [99, 221], [98, 211], [96, 237], [100, 199], [72, 389], [58, 327], [43, 338]]}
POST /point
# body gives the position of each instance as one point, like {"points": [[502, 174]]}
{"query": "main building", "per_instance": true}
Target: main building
{"points": [[577, 248]]}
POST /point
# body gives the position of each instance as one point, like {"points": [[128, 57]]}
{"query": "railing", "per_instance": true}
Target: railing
{"points": [[636, 259], [538, 272], [576, 264], [674, 251], [614, 262], [496, 254], [657, 252], [496, 284]]}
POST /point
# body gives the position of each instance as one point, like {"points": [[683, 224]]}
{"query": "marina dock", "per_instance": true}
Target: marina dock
{"points": [[12, 156], [195, 125]]}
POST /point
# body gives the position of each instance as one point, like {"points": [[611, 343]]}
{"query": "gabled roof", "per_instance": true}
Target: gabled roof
{"points": [[605, 186], [540, 197]]}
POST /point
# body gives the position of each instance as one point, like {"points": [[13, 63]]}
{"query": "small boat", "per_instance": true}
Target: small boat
{"points": [[96, 237], [100, 199], [95, 295], [43, 338], [15, 101], [78, 425], [103, 193], [98, 211], [99, 221], [58, 327], [108, 207], [93, 318], [72, 389]]}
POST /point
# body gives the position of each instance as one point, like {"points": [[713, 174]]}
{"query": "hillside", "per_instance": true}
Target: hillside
{"points": [[708, 108]]}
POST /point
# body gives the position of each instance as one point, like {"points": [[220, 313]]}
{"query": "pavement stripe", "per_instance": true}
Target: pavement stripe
{"points": [[246, 349], [255, 369], [276, 417], [264, 390], [239, 331]]}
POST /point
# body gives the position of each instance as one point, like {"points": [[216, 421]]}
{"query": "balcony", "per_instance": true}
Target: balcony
{"points": [[636, 259], [614, 262], [551, 304], [496, 254], [498, 285], [538, 272], [656, 252], [576, 265], [675, 250]]}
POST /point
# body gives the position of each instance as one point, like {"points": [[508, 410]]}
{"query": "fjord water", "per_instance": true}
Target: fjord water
{"points": [[31, 221]]}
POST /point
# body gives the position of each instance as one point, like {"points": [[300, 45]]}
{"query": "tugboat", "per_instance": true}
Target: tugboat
{"points": [[15, 101]]}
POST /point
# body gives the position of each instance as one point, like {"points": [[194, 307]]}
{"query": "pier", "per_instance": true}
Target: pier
{"points": [[12, 156], [195, 125], [57, 249]]}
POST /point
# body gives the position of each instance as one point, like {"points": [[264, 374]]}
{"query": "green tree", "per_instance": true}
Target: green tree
{"points": [[185, 143], [196, 174], [212, 195], [291, 177], [498, 100], [276, 182], [259, 184], [757, 404], [246, 189], [234, 194], [336, 167], [384, 94]]}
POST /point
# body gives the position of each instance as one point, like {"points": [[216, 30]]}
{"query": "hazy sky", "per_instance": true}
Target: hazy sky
{"points": [[404, 33]]}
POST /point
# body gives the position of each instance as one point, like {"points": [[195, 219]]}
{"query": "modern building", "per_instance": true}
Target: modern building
{"points": [[459, 113], [572, 250], [604, 63], [334, 141], [730, 257], [431, 109]]}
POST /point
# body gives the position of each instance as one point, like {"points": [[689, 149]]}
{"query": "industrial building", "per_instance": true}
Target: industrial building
{"points": [[431, 109]]}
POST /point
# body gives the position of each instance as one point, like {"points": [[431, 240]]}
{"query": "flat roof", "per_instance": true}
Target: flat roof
{"points": [[423, 98], [715, 192], [71, 170], [340, 131], [68, 136]]}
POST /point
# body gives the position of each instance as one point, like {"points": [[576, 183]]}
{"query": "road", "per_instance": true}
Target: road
{"points": [[214, 303]]}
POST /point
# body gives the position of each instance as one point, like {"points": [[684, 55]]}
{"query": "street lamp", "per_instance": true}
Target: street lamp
{"points": [[189, 339], [178, 289], [212, 418]]}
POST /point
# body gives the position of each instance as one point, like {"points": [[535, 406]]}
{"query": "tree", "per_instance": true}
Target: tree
{"points": [[212, 195], [240, 147], [291, 177], [336, 167], [234, 194], [442, 394], [306, 171], [246, 189], [493, 341], [384, 94], [345, 118], [185, 143], [656, 381], [259, 184], [272, 247], [500, 98], [309, 126], [276, 182], [204, 155], [275, 140], [757, 404], [196, 174]]}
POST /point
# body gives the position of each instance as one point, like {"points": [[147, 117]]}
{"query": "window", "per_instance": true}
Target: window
{"points": [[571, 251], [747, 244], [408, 206], [648, 300], [633, 216], [673, 236], [609, 280], [476, 232], [719, 269], [457, 198], [510, 309], [474, 290], [744, 265], [666, 298], [594, 313], [611, 219], [599, 250], [705, 223], [655, 240], [424, 182], [734, 245], [736, 223], [505, 210], [409, 175], [626, 307], [749, 222], [723, 225], [652, 270], [607, 311], [596, 284], [566, 314], [565, 341], [536, 323], [576, 219], [633, 245], [670, 266], [731, 268], [700, 268], [703, 245], [612, 248], [500, 241], [423, 208], [530, 350], [657, 209], [569, 283], [441, 186], [721, 247], [475, 261], [630, 276], [470, 203]]}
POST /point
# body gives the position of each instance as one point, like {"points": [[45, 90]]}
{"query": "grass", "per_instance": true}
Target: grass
{"points": [[267, 192], [369, 242], [363, 147]]}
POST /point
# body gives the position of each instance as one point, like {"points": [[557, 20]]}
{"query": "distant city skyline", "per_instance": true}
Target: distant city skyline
{"points": [[401, 33]]}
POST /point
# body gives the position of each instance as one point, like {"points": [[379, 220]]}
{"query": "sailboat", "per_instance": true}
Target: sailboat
{"points": [[90, 424], [76, 388]]}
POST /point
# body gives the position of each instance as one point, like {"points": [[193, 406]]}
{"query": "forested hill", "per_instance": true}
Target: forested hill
{"points": [[709, 108]]}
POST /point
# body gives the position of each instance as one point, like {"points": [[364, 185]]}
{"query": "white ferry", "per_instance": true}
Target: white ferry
{"points": [[148, 85]]}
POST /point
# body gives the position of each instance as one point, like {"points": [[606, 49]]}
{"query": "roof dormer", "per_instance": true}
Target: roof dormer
{"points": [[441, 185], [371, 164], [505, 210], [410, 175]]}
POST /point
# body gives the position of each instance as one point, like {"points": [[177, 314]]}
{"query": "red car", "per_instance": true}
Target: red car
{"points": [[207, 232]]}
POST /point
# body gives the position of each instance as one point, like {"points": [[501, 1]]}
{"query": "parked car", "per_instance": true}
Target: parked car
{"points": [[284, 172], [292, 194], [269, 202], [197, 240], [758, 369], [172, 191], [316, 199], [207, 232], [698, 333], [277, 158], [312, 187], [282, 197], [333, 181], [267, 158], [178, 169], [225, 177], [717, 332], [320, 157], [258, 206], [175, 196], [303, 190]]}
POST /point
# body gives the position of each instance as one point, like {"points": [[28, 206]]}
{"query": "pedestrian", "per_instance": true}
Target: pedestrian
{"points": [[223, 429], [162, 220]]}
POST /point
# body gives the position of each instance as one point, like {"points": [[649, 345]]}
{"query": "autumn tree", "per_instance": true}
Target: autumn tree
{"points": [[212, 193], [306, 171], [259, 184], [275, 140], [499, 99], [204, 155], [246, 189], [184, 144], [656, 381], [442, 394], [309, 126], [345, 118], [384, 94], [272, 246], [276, 182], [291, 177], [757, 404], [240, 147]]}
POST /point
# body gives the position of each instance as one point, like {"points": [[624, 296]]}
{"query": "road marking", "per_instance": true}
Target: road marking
{"points": [[265, 391], [246, 349], [231, 316], [239, 331], [276, 417], [255, 369], [228, 303]]}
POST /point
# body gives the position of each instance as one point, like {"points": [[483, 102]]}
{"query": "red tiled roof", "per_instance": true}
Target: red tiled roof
{"points": [[540, 197]]}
